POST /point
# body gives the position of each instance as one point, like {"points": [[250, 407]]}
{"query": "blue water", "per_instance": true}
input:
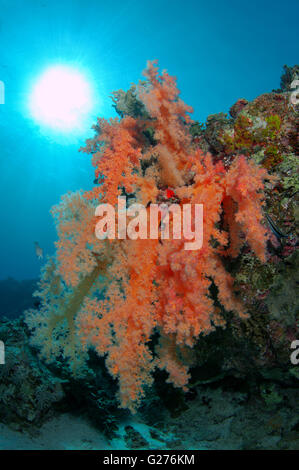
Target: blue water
{"points": [[219, 51]]}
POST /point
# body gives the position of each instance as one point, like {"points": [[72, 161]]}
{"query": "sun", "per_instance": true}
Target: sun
{"points": [[61, 99]]}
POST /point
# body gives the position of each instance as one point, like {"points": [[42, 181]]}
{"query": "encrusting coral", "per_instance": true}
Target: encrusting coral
{"points": [[115, 295]]}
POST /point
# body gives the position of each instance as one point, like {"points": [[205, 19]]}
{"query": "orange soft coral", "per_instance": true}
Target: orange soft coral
{"points": [[243, 184], [116, 161], [161, 98], [152, 285]]}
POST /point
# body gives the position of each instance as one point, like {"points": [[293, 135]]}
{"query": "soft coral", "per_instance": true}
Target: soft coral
{"points": [[152, 286]]}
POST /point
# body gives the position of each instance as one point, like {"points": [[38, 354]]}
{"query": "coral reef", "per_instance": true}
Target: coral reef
{"points": [[290, 74], [224, 418], [28, 391], [151, 308]]}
